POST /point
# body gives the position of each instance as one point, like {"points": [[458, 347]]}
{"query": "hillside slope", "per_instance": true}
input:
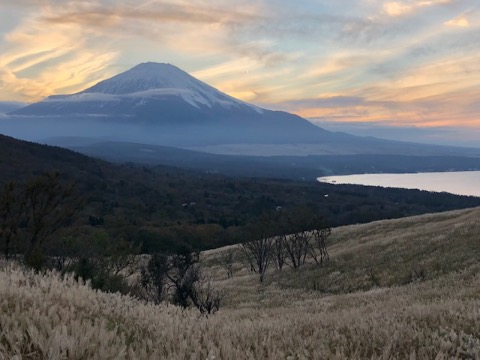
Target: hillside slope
{"points": [[382, 253], [166, 207], [435, 316]]}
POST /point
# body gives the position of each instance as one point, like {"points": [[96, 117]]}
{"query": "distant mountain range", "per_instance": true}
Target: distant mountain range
{"points": [[159, 104]]}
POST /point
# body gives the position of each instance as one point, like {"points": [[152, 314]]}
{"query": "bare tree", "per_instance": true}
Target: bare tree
{"points": [[307, 236], [61, 251], [297, 242], [47, 210], [259, 253], [153, 279], [226, 261], [318, 247], [10, 216], [120, 257], [296, 248], [184, 283], [279, 251]]}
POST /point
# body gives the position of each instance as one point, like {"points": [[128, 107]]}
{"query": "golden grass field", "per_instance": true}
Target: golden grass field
{"points": [[396, 289]]}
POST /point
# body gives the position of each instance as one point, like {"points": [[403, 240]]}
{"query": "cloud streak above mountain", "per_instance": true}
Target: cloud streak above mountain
{"points": [[412, 62]]}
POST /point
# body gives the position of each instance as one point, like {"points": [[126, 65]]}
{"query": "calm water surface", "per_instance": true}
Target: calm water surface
{"points": [[461, 182]]}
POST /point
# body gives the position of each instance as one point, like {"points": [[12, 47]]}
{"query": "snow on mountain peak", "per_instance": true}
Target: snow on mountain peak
{"points": [[156, 79], [143, 77]]}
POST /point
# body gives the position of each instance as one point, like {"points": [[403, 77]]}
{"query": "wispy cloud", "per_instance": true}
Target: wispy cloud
{"points": [[84, 38], [394, 61], [401, 8], [460, 21], [37, 60], [96, 15]]}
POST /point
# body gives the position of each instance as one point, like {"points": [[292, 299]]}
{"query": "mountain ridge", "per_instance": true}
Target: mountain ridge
{"points": [[160, 104]]}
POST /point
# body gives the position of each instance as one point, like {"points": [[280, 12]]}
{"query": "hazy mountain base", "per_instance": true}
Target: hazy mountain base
{"points": [[231, 137], [304, 168], [340, 144], [436, 316]]}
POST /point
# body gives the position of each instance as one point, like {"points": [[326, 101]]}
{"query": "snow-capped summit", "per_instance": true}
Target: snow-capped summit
{"points": [[151, 79], [137, 88], [147, 76]]}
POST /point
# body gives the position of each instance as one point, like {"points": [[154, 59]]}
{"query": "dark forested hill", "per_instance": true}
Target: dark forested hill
{"points": [[165, 207]]}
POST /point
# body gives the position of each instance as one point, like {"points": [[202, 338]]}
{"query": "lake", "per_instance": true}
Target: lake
{"points": [[460, 183]]}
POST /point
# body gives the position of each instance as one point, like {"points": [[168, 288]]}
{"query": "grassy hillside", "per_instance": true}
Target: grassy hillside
{"points": [[407, 288], [381, 254]]}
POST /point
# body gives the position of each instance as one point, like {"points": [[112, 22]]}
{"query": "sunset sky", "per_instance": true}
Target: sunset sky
{"points": [[400, 63]]}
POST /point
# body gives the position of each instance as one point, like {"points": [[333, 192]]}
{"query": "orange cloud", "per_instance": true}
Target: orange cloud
{"points": [[75, 38], [460, 21], [38, 61], [397, 8], [417, 72], [102, 16], [401, 8]]}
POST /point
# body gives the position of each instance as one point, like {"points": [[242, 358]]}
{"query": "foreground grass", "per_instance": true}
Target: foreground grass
{"points": [[436, 316]]}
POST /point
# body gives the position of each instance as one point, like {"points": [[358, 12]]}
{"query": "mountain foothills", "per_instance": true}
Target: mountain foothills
{"points": [[159, 104], [163, 208]]}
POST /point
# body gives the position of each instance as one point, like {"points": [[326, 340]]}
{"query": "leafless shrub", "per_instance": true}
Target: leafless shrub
{"points": [[207, 296], [418, 274], [373, 277], [180, 279]]}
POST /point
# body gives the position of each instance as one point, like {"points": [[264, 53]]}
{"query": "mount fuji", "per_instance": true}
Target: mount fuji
{"points": [[159, 104], [136, 89]]}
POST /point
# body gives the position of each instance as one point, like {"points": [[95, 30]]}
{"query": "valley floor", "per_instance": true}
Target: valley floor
{"points": [[406, 288]]}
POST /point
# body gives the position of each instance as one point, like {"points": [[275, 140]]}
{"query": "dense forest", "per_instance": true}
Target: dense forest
{"points": [[164, 208]]}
